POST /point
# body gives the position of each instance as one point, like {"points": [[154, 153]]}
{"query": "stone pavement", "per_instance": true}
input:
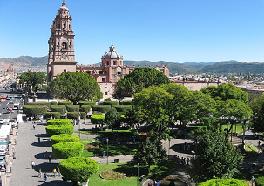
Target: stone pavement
{"points": [[28, 149]]}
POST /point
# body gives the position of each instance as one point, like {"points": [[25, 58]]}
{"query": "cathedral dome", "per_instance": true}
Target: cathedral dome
{"points": [[112, 54]]}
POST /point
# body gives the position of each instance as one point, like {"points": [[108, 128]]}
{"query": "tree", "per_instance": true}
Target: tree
{"points": [[151, 152], [215, 156], [137, 80], [63, 150], [226, 91], [151, 107], [258, 109], [31, 81], [111, 118], [75, 86], [78, 169]]}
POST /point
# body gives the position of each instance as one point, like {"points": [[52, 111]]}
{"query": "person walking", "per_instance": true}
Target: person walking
{"points": [[54, 172], [33, 164], [38, 139], [45, 177], [39, 173], [34, 126], [50, 158]]}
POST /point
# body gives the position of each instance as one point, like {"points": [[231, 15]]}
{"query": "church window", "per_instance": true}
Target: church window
{"points": [[58, 26], [64, 45], [107, 63], [106, 93], [114, 63], [64, 26], [69, 26], [103, 80]]}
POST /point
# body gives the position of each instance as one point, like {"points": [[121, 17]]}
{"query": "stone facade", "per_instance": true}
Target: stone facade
{"points": [[61, 44]]}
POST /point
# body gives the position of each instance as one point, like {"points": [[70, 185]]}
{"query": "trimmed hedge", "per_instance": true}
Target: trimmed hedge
{"points": [[63, 150], [59, 122], [73, 115], [58, 108], [59, 129], [72, 108], [101, 108], [33, 110], [123, 108], [64, 138], [78, 169], [125, 103], [39, 103], [224, 182], [54, 103], [85, 108], [64, 103], [91, 103], [260, 181], [55, 115], [97, 118], [109, 103]]}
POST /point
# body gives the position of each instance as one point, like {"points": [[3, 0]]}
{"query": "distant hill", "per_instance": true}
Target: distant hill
{"points": [[26, 60], [175, 67]]}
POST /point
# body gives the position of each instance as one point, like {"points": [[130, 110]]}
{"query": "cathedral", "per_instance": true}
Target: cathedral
{"points": [[62, 57]]}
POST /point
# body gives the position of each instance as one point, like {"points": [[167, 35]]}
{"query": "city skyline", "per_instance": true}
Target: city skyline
{"points": [[144, 30]]}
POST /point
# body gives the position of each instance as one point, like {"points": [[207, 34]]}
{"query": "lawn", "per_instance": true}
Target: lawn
{"points": [[96, 180], [239, 128]]}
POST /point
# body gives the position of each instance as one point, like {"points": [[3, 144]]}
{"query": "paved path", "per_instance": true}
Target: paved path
{"points": [[28, 149]]}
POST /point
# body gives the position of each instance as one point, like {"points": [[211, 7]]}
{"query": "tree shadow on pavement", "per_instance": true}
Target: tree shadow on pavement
{"points": [[42, 135], [42, 155], [46, 167], [42, 144], [56, 183], [185, 148]]}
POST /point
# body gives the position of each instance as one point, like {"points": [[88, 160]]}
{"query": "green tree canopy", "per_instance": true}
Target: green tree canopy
{"points": [[75, 86], [32, 80], [137, 80], [258, 110], [215, 156], [226, 91]]}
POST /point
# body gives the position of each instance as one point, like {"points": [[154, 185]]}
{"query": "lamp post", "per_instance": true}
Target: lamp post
{"points": [[138, 174], [79, 119], [107, 140]]}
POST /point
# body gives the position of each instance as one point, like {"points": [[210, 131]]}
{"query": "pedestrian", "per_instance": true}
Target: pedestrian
{"points": [[38, 139], [54, 172], [45, 177], [253, 181], [58, 170], [50, 158], [33, 164], [259, 143], [39, 173], [34, 126]]}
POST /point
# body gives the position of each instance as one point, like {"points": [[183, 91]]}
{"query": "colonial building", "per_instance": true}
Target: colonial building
{"points": [[111, 70], [62, 56], [61, 44]]}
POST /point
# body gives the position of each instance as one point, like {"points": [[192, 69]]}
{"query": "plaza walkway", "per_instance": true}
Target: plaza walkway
{"points": [[29, 149]]}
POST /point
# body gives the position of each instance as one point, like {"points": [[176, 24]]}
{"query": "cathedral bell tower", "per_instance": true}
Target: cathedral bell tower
{"points": [[61, 45]]}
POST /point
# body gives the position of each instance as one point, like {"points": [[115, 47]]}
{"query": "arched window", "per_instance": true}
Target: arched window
{"points": [[64, 46]]}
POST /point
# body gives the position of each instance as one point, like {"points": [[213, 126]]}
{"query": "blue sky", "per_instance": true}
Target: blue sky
{"points": [[169, 30]]}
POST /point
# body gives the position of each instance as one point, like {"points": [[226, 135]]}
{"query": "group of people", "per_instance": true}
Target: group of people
{"points": [[182, 160]]}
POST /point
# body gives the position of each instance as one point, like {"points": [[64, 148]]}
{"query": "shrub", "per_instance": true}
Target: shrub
{"points": [[73, 115], [54, 103], [59, 129], [59, 122], [85, 108], [58, 108], [63, 150], [109, 103], [64, 103], [49, 115], [39, 103], [34, 110], [123, 108], [224, 182], [78, 169], [91, 103], [125, 103], [260, 181], [101, 108], [83, 115], [97, 118], [72, 108], [64, 138]]}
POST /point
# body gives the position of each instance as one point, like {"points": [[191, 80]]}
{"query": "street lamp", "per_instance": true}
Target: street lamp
{"points": [[138, 174], [107, 140]]}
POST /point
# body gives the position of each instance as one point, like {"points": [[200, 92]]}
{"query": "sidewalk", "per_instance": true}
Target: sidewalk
{"points": [[28, 149]]}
